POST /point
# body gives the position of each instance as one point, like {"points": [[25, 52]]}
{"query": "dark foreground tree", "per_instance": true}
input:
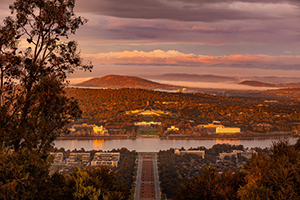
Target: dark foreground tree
{"points": [[273, 177], [33, 107], [211, 185]]}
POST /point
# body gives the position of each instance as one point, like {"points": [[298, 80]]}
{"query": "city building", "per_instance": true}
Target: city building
{"points": [[100, 130], [148, 111], [172, 128], [248, 154], [106, 159], [210, 126], [238, 153], [223, 155], [222, 130], [146, 123], [58, 157], [196, 152], [76, 158]]}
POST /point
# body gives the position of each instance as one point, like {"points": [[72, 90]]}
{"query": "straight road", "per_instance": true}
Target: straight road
{"points": [[138, 180], [147, 184]]}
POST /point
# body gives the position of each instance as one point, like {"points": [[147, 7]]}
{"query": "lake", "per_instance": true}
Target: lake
{"points": [[155, 144]]}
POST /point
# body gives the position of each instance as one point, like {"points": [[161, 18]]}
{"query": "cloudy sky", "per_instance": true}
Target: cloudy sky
{"points": [[221, 37]]}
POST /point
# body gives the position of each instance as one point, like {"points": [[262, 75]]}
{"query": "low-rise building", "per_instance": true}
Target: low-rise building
{"points": [[58, 157], [100, 130], [209, 128], [173, 128], [248, 154], [196, 152], [238, 153], [76, 158], [146, 123], [223, 155], [106, 159], [224, 130]]}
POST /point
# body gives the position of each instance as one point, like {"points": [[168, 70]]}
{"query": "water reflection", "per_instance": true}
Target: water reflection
{"points": [[98, 144], [231, 142], [155, 144]]}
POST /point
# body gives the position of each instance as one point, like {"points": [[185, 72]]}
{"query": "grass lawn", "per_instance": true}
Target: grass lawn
{"points": [[147, 131]]}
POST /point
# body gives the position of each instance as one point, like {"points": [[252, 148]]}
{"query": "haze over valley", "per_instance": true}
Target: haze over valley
{"points": [[192, 82]]}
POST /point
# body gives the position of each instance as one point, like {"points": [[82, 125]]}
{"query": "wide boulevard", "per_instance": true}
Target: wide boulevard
{"points": [[147, 186]]}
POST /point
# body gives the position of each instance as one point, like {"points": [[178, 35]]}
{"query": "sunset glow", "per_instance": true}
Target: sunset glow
{"points": [[187, 36]]}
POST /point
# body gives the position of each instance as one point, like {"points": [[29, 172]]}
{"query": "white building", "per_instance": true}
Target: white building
{"points": [[106, 159], [146, 123], [58, 156], [75, 158], [173, 128], [196, 152], [248, 154], [100, 130], [222, 155], [227, 130]]}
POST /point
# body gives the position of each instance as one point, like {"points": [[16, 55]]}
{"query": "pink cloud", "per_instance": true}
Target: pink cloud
{"points": [[172, 57]]}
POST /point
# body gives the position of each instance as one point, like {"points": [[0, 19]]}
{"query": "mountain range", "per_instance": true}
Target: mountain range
{"points": [[262, 84], [220, 79], [120, 81]]}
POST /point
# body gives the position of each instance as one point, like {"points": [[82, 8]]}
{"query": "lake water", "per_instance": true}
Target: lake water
{"points": [[155, 144]]}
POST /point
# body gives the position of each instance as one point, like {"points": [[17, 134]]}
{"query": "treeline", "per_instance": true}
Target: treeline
{"points": [[25, 175], [272, 176], [171, 172], [167, 173], [126, 170], [101, 106]]}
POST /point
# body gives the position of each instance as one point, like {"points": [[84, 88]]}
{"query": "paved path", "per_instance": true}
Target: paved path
{"points": [[147, 186]]}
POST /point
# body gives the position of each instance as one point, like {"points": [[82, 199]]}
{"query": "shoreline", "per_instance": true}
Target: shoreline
{"points": [[183, 137]]}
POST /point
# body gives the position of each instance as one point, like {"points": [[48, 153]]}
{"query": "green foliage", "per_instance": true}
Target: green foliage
{"points": [[94, 183], [107, 105], [82, 189], [275, 176], [200, 187], [125, 171], [211, 185], [167, 173], [33, 107], [23, 175]]}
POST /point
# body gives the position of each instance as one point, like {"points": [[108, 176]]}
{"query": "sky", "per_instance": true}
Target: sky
{"points": [[219, 37]]}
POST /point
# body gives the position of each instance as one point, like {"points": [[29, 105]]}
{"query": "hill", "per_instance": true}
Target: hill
{"points": [[119, 81], [262, 84], [258, 84]]}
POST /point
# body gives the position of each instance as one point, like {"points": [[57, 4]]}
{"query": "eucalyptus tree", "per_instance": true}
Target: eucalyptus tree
{"points": [[33, 107]]}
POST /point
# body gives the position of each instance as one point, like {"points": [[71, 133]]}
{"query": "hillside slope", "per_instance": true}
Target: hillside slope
{"points": [[262, 84], [118, 81]]}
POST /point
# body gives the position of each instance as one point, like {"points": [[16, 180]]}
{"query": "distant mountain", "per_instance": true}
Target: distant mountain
{"points": [[216, 78], [262, 84], [118, 81], [194, 78], [257, 84], [275, 79]]}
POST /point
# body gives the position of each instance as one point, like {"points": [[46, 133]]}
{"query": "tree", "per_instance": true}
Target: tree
{"points": [[23, 175], [93, 183], [273, 177], [204, 186], [33, 107]]}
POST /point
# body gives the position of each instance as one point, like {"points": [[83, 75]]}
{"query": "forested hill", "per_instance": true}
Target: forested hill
{"points": [[99, 105], [118, 81]]}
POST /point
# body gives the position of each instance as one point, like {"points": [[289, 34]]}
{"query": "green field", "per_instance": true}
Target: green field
{"points": [[147, 132]]}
